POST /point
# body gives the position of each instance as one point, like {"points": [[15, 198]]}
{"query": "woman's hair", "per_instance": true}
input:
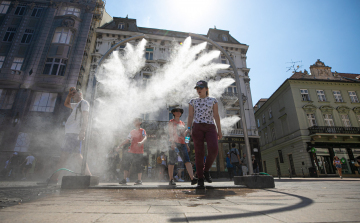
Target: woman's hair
{"points": [[207, 92]]}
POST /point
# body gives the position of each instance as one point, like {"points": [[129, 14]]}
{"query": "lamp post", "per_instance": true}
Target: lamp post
{"points": [[93, 94], [242, 110]]}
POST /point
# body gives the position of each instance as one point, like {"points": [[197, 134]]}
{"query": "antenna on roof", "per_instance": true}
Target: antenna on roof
{"points": [[127, 15], [294, 66]]}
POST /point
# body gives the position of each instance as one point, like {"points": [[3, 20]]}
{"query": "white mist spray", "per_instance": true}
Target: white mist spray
{"points": [[123, 96]]}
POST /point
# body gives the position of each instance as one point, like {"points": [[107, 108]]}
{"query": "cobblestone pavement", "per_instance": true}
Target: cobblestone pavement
{"points": [[293, 200]]}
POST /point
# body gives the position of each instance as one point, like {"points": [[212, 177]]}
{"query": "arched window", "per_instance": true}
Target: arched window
{"points": [[224, 38]]}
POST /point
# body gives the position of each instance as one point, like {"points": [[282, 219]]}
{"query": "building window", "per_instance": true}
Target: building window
{"points": [[121, 26], [273, 134], [321, 95], [20, 10], [22, 142], [7, 98], [353, 97], [232, 89], [27, 36], [146, 79], [328, 120], [9, 35], [4, 6], [258, 123], [149, 53], [62, 35], [2, 59], [337, 96], [311, 119], [304, 95], [43, 102], [345, 120], [55, 66], [263, 118], [36, 12], [70, 10], [266, 137], [224, 38], [16, 65], [270, 113], [223, 59]]}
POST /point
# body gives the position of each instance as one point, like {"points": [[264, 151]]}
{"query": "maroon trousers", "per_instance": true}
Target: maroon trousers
{"points": [[208, 132]]}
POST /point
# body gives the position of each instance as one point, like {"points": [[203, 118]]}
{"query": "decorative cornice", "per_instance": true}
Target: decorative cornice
{"points": [[343, 109], [309, 108], [357, 110], [326, 109]]}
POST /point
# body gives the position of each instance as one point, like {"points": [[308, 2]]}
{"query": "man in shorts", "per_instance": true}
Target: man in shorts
{"points": [[134, 155], [75, 129], [28, 165]]}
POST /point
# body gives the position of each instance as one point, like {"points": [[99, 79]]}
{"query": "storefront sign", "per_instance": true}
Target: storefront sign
{"points": [[313, 150], [343, 160], [232, 139]]}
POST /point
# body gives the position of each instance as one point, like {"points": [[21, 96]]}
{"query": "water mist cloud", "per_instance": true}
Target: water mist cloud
{"points": [[122, 97]]}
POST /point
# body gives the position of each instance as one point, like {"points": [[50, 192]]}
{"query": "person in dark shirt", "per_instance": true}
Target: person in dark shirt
{"points": [[255, 164]]}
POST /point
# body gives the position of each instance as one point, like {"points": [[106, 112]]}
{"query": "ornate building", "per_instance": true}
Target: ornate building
{"points": [[45, 50], [157, 54], [308, 120]]}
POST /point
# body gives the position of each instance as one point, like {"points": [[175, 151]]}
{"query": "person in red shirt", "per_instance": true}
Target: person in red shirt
{"points": [[177, 140], [134, 155]]}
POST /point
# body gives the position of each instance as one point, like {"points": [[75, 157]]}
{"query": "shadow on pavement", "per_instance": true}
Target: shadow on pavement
{"points": [[303, 203]]}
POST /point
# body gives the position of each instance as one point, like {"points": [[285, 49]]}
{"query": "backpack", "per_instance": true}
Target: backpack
{"points": [[233, 152]]}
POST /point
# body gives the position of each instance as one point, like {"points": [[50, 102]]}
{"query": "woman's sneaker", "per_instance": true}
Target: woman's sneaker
{"points": [[194, 181], [207, 177], [172, 183], [123, 182], [200, 183], [138, 182]]}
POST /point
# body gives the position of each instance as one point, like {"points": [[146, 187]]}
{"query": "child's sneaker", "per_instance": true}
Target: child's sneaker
{"points": [[123, 182], [138, 182]]}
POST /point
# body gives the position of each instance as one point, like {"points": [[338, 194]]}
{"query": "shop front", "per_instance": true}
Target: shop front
{"points": [[322, 157]]}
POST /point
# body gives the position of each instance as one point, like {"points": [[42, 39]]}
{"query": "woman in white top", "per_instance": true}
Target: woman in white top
{"points": [[203, 114], [337, 163]]}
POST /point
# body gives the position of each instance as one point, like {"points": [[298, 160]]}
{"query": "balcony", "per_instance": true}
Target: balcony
{"points": [[229, 98], [233, 132], [333, 130]]}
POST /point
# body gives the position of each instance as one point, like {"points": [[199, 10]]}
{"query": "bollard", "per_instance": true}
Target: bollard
{"points": [[289, 173], [278, 173], [303, 172]]}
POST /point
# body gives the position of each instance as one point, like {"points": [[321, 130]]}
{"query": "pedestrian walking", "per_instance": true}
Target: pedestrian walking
{"points": [[75, 130], [235, 160], [255, 164], [244, 165], [229, 166], [177, 141], [357, 164], [337, 163], [28, 165], [203, 114], [137, 137]]}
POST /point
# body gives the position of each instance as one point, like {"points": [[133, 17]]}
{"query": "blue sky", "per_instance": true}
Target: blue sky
{"points": [[277, 32]]}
